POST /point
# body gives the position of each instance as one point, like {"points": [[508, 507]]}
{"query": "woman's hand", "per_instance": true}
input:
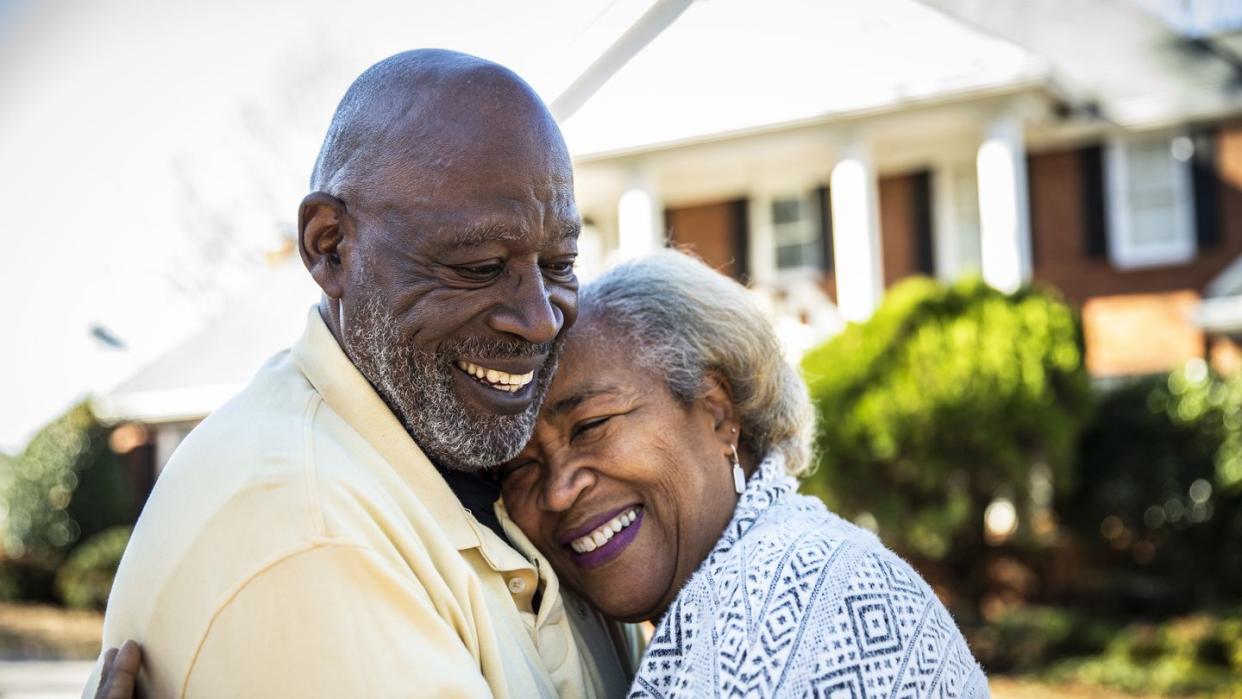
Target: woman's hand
{"points": [[119, 677]]}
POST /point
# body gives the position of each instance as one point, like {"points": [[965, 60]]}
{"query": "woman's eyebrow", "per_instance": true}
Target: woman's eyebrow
{"points": [[576, 398]]}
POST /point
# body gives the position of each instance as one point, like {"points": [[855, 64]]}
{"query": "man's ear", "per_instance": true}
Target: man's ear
{"points": [[321, 220], [716, 396]]}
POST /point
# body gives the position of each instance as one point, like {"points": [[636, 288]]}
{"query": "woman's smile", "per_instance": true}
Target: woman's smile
{"points": [[603, 543]]}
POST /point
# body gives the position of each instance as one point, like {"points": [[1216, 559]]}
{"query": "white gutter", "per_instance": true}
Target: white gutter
{"points": [[1220, 315], [653, 22]]}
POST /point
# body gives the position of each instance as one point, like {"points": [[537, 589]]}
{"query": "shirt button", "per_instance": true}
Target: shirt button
{"points": [[517, 585]]}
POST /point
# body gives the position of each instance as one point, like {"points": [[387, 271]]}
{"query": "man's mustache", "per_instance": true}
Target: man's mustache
{"points": [[496, 349]]}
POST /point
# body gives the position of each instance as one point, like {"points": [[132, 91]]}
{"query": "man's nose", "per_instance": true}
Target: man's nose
{"points": [[528, 311], [565, 483]]}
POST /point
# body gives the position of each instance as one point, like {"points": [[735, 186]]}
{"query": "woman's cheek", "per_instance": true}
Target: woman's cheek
{"points": [[520, 501]]}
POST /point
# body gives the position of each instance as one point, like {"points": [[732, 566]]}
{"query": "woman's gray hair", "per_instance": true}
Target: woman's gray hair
{"points": [[686, 320]]}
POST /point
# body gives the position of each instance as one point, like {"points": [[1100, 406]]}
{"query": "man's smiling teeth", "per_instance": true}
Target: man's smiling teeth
{"points": [[499, 380], [606, 531]]}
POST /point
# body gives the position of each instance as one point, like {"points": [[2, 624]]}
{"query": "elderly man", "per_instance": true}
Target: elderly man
{"points": [[323, 533]]}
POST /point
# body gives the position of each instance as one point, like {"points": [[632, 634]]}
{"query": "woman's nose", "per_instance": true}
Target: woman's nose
{"points": [[564, 485]]}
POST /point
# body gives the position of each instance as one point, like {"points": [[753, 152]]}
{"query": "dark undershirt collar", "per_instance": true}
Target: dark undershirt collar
{"points": [[478, 494]]}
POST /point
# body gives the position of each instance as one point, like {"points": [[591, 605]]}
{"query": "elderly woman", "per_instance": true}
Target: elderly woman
{"points": [[661, 485]]}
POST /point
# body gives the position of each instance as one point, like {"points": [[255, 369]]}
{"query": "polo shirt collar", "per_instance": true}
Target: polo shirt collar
{"points": [[351, 396]]}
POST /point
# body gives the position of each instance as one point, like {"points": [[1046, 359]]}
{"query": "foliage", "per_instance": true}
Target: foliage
{"points": [[1027, 639], [25, 580], [1195, 655], [85, 579], [946, 397], [1199, 653], [1158, 496], [64, 486]]}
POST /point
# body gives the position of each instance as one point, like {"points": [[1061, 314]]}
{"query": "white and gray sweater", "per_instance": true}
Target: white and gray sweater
{"points": [[795, 601]]}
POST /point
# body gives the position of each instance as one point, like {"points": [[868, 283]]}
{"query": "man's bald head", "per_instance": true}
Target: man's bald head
{"points": [[423, 111]]}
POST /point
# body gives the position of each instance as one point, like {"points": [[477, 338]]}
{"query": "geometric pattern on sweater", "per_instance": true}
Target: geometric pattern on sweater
{"points": [[795, 601]]}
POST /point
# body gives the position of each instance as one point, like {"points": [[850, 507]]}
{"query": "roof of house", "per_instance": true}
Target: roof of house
{"points": [[1136, 67], [730, 66]]}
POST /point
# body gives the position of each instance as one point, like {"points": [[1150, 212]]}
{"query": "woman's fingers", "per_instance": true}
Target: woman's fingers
{"points": [[119, 679]]}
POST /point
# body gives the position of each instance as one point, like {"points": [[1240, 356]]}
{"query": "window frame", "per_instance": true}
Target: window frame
{"points": [[810, 210], [1124, 251]]}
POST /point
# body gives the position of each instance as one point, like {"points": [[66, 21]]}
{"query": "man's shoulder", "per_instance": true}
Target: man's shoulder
{"points": [[265, 417], [238, 493], [276, 429]]}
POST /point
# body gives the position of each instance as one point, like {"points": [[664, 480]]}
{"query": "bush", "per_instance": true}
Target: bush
{"points": [[1193, 655], [1028, 639], [24, 580], [66, 485], [1157, 497], [85, 579], [945, 398], [1198, 654]]}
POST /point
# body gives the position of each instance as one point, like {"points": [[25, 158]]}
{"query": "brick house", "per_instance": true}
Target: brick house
{"points": [[1022, 148]]}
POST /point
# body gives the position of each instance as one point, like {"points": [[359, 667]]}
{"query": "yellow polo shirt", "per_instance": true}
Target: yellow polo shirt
{"points": [[299, 544]]}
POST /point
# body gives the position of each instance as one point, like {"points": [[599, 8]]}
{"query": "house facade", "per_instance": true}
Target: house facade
{"points": [[1132, 228], [1127, 203]]}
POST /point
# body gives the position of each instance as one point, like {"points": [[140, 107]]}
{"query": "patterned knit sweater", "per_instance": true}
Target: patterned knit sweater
{"points": [[795, 601]]}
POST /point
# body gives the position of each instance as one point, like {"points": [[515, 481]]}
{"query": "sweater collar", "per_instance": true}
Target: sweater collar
{"points": [[767, 486]]}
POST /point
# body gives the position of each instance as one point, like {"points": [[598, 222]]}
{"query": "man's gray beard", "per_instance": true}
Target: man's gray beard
{"points": [[418, 386]]}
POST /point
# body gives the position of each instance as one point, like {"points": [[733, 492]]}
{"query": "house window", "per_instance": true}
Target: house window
{"points": [[795, 232], [958, 247], [1151, 202]]}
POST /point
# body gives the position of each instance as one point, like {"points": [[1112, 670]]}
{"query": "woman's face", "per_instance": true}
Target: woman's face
{"points": [[624, 488]]}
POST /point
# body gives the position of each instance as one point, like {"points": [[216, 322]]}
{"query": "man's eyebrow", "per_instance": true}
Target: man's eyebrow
{"points": [[485, 234], [498, 233], [570, 231], [572, 401]]}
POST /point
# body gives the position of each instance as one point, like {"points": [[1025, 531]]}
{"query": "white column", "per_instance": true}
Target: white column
{"points": [[1004, 209], [640, 222], [762, 248], [944, 211], [856, 235]]}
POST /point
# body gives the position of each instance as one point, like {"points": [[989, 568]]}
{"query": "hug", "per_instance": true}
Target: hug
{"points": [[471, 477]]}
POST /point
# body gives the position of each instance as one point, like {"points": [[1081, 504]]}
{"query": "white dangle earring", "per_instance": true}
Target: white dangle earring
{"points": [[739, 478]]}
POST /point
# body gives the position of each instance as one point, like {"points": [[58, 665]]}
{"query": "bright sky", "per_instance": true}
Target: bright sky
{"points": [[153, 150]]}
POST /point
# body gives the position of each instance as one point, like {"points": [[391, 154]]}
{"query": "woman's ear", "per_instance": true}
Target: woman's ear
{"points": [[716, 396], [321, 220]]}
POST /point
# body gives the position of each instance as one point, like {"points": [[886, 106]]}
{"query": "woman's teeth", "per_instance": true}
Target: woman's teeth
{"points": [[606, 531], [499, 380]]}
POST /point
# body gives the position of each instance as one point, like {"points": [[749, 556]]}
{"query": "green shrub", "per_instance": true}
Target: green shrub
{"points": [[1183, 656], [65, 486], [25, 580], [1156, 498], [1199, 654], [946, 397], [85, 579], [1029, 638]]}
